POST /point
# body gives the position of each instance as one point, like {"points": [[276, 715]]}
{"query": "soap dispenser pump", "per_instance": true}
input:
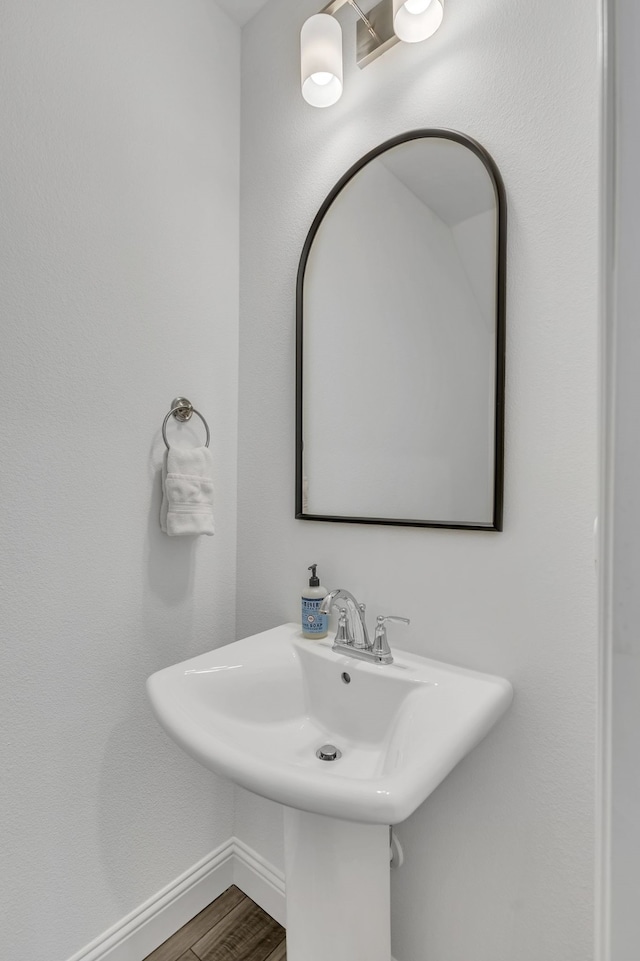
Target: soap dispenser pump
{"points": [[315, 624]]}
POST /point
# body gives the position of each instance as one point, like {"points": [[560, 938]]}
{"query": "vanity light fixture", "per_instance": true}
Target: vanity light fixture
{"points": [[321, 60], [415, 20], [377, 31]]}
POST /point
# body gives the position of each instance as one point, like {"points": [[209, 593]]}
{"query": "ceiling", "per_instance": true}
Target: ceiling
{"points": [[241, 10]]}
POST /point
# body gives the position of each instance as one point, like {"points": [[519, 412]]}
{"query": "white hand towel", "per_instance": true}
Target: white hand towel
{"points": [[187, 492]]}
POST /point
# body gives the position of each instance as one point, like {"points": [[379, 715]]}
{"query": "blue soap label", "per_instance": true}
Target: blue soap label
{"points": [[313, 621]]}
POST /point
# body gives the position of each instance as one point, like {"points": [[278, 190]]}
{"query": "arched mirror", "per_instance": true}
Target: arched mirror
{"points": [[400, 340]]}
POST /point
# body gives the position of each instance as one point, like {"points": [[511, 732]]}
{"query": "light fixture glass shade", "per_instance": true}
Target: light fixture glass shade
{"points": [[321, 60], [415, 20]]}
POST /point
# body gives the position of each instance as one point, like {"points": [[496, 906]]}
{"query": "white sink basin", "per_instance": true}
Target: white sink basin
{"points": [[257, 710]]}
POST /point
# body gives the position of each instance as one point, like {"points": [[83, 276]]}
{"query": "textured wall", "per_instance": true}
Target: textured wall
{"points": [[500, 860], [119, 235]]}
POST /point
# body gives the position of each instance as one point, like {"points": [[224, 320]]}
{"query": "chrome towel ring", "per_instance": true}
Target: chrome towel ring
{"points": [[182, 409]]}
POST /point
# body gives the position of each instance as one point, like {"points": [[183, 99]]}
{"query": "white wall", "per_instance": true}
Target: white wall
{"points": [[625, 860], [119, 234], [500, 860]]}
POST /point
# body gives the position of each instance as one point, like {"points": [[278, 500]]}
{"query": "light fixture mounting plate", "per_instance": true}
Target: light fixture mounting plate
{"points": [[369, 48]]}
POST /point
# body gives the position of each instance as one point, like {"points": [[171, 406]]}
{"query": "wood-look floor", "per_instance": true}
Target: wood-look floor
{"points": [[232, 928]]}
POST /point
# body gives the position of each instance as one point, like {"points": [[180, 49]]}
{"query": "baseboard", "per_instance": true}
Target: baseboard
{"points": [[142, 931], [146, 928], [263, 883]]}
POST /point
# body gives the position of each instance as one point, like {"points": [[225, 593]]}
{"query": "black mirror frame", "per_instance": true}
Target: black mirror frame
{"points": [[501, 271]]}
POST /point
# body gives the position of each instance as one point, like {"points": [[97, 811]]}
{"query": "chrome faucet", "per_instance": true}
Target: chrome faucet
{"points": [[355, 630], [352, 637]]}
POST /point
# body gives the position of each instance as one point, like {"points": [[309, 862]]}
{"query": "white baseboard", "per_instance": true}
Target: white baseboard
{"points": [[142, 931], [263, 883], [146, 928]]}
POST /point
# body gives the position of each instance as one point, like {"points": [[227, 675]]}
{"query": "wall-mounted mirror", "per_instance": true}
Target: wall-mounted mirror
{"points": [[400, 340]]}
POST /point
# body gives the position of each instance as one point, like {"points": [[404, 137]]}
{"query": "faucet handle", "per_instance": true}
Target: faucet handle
{"points": [[380, 644], [343, 635], [392, 617]]}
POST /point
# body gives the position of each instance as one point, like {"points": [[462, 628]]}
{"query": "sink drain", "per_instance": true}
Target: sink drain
{"points": [[328, 752]]}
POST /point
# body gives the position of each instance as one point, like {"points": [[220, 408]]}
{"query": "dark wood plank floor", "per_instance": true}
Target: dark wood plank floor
{"points": [[232, 928]]}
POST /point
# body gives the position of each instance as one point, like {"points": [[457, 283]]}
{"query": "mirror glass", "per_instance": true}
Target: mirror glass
{"points": [[400, 330]]}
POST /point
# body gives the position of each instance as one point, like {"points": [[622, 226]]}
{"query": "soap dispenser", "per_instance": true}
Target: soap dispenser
{"points": [[314, 623]]}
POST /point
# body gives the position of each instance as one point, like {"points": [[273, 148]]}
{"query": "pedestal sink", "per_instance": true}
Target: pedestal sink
{"points": [[257, 711]]}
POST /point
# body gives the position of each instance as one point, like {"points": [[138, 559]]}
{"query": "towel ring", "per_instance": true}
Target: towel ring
{"points": [[182, 409]]}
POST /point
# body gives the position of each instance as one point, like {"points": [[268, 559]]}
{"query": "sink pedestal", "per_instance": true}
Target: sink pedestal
{"points": [[337, 876]]}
